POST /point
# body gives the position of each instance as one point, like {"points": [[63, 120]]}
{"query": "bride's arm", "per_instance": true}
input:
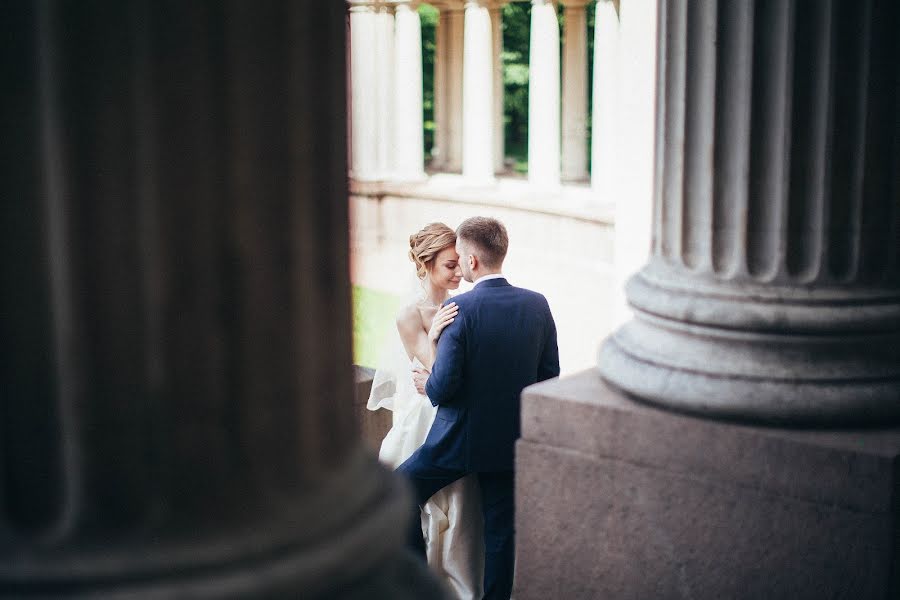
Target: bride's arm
{"points": [[414, 338], [417, 342]]}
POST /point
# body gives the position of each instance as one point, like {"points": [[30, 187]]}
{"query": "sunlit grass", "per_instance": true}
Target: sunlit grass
{"points": [[374, 313]]}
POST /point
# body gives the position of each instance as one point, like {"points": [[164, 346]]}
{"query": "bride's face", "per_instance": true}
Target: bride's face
{"points": [[445, 272]]}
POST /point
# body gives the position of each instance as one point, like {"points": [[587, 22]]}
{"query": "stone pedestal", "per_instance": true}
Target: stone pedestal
{"points": [[616, 499], [177, 389], [772, 298], [373, 424]]}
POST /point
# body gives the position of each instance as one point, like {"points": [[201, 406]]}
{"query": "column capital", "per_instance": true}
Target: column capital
{"points": [[375, 5], [448, 5], [361, 6]]}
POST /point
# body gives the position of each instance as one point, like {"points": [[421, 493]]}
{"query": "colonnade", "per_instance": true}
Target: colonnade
{"points": [[386, 90]]}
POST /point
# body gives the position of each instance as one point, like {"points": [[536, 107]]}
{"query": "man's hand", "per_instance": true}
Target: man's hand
{"points": [[420, 378]]}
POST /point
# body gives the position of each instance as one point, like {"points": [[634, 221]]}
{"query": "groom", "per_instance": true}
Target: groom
{"points": [[502, 340]]}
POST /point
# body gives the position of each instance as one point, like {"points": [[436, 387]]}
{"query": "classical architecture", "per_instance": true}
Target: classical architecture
{"points": [[177, 393], [386, 84], [564, 226], [739, 438]]}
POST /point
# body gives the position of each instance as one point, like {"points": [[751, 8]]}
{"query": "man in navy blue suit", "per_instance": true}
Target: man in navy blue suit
{"points": [[502, 340]]}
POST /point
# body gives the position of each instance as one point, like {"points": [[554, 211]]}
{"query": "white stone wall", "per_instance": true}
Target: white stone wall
{"points": [[566, 258]]}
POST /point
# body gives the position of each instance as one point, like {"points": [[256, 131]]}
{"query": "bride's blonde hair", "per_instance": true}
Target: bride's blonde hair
{"points": [[425, 244]]}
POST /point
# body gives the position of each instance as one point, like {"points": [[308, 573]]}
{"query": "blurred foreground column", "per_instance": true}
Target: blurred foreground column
{"points": [[177, 388], [771, 300]]}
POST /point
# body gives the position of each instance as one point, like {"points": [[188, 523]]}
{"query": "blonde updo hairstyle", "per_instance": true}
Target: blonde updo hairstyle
{"points": [[425, 244]]}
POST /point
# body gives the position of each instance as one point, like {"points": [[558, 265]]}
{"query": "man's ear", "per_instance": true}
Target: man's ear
{"points": [[473, 262]]}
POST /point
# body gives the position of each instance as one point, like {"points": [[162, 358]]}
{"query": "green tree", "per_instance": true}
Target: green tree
{"points": [[516, 27], [429, 17]]}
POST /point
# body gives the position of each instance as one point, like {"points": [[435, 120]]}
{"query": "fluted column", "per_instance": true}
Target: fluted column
{"points": [[174, 254], [496, 11], [409, 157], [773, 289], [385, 90], [441, 68], [363, 96], [454, 96], [605, 114], [574, 91], [478, 93], [543, 96]]}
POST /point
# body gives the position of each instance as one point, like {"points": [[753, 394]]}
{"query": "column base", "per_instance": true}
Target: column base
{"points": [[347, 544], [773, 356], [620, 500]]}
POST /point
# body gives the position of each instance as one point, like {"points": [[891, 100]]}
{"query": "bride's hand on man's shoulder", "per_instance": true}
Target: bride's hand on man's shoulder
{"points": [[442, 318]]}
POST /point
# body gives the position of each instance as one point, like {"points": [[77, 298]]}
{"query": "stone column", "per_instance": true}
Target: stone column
{"points": [[574, 92], [635, 141], [384, 85], [409, 158], [454, 96], [749, 414], [777, 219], [441, 71], [496, 11], [478, 86], [174, 254], [605, 114], [363, 86], [543, 96]]}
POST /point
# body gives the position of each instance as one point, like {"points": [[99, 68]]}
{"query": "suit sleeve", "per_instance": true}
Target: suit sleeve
{"points": [[447, 371], [549, 364]]}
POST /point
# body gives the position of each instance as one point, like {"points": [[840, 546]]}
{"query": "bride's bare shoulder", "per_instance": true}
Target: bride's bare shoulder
{"points": [[409, 325], [409, 318]]}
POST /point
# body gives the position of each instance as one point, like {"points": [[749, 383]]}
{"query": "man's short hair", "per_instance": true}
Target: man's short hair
{"points": [[489, 235]]}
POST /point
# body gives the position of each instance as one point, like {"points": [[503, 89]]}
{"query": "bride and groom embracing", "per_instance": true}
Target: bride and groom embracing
{"points": [[456, 406]]}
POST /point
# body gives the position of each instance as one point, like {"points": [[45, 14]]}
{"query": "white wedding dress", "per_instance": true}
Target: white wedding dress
{"points": [[451, 519]]}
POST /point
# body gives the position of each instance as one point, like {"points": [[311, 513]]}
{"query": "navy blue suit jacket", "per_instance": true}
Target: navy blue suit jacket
{"points": [[502, 340]]}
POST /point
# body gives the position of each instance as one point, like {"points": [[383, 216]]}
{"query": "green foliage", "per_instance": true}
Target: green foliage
{"points": [[516, 27], [428, 15], [373, 316]]}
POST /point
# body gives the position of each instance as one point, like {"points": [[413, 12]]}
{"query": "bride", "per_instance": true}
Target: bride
{"points": [[451, 519]]}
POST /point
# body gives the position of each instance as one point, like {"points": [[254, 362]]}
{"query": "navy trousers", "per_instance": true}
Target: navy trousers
{"points": [[499, 516]]}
